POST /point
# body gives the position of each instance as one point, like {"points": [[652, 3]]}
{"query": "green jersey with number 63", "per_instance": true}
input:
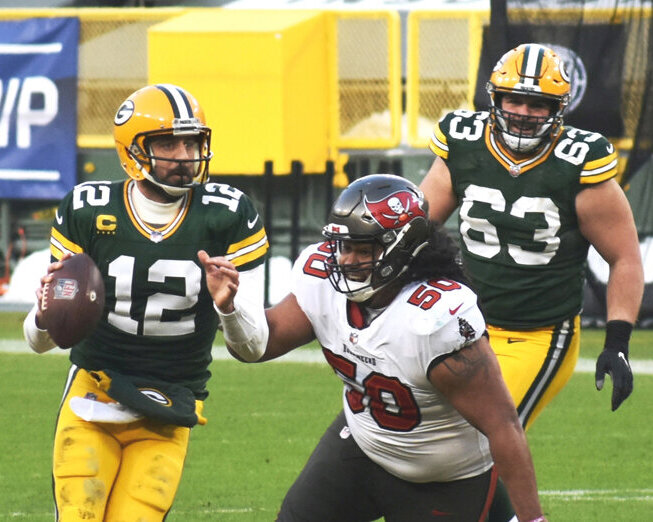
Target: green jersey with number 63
{"points": [[520, 239], [159, 320]]}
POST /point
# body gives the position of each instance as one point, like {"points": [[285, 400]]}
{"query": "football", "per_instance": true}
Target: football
{"points": [[72, 303]]}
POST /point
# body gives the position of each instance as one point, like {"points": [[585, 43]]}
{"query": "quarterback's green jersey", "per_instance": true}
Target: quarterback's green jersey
{"points": [[520, 240], [159, 319]]}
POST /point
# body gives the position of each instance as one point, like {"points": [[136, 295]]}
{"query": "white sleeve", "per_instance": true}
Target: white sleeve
{"points": [[38, 340], [246, 329]]}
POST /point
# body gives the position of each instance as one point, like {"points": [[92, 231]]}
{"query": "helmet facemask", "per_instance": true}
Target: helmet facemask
{"points": [[391, 262], [196, 167], [523, 133]]}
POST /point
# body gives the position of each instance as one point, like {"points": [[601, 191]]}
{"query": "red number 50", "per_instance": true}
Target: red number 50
{"points": [[400, 414], [427, 295]]}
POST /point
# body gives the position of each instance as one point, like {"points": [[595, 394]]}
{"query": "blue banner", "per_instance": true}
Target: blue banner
{"points": [[38, 107]]}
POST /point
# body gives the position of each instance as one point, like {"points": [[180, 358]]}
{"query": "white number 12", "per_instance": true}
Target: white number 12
{"points": [[122, 269]]}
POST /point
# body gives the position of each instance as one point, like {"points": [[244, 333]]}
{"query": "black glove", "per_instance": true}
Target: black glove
{"points": [[614, 361]]}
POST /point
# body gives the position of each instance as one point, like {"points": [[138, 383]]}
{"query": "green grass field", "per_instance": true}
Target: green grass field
{"points": [[264, 420]]}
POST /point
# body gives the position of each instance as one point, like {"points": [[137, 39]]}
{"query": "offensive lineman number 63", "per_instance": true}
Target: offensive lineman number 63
{"points": [[478, 233]]}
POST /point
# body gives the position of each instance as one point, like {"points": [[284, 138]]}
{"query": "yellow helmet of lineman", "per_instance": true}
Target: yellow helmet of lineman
{"points": [[159, 110], [528, 70]]}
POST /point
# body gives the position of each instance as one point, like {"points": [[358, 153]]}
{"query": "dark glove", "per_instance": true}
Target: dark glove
{"points": [[614, 361]]}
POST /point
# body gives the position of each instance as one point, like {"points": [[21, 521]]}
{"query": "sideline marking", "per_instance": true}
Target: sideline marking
{"points": [[621, 495], [310, 355], [617, 495]]}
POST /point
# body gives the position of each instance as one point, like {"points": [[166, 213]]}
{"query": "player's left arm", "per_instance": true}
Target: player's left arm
{"points": [[606, 221], [252, 333], [471, 380], [238, 299]]}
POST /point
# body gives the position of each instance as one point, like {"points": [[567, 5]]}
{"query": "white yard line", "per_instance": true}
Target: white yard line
{"points": [[306, 355], [619, 495], [572, 495]]}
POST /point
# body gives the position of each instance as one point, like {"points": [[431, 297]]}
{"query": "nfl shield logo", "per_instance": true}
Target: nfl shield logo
{"points": [[65, 289]]}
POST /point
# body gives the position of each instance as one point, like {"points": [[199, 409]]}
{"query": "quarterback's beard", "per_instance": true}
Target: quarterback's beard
{"points": [[176, 183], [180, 176]]}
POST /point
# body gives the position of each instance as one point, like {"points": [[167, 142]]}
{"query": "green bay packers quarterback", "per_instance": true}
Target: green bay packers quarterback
{"points": [[532, 195], [137, 384]]}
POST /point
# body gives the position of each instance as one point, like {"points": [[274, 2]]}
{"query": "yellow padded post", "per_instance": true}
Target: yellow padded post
{"points": [[261, 77]]}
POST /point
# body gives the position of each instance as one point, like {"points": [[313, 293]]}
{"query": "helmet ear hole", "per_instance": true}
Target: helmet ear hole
{"points": [[388, 237]]}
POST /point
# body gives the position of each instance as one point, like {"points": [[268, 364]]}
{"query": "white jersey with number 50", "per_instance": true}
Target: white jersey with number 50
{"points": [[394, 413]]}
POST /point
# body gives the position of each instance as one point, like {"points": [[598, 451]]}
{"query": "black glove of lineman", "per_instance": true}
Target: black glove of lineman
{"points": [[614, 361]]}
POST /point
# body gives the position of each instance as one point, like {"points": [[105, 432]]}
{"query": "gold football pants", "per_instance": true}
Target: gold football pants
{"points": [[113, 472], [536, 364]]}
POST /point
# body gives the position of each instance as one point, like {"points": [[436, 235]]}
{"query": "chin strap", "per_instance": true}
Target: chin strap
{"points": [[175, 192], [521, 145], [168, 189]]}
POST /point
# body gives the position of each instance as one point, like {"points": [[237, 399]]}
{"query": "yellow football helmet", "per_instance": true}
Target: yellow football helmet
{"points": [[529, 70], [159, 110]]}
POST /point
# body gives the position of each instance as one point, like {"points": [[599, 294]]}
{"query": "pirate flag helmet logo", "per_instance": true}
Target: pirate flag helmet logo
{"points": [[396, 210]]}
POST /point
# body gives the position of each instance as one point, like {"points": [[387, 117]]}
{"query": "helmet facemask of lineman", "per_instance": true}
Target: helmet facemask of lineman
{"points": [[535, 71], [386, 211], [157, 111]]}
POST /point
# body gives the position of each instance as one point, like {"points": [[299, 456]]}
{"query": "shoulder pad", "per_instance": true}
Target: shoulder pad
{"points": [[463, 124], [309, 265], [441, 316], [429, 306], [591, 151], [310, 281]]}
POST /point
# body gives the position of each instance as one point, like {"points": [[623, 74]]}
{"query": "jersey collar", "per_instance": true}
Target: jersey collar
{"points": [[513, 166], [154, 234]]}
